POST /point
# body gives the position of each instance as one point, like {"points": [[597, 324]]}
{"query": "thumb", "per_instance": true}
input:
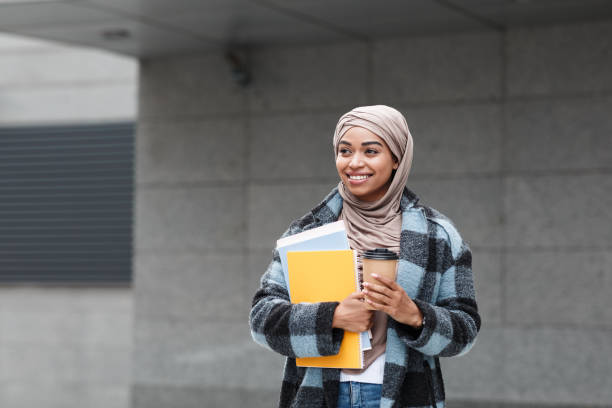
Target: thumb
{"points": [[357, 295]]}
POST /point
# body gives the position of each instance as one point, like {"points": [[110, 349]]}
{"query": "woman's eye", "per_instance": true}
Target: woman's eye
{"points": [[344, 151], [371, 151]]}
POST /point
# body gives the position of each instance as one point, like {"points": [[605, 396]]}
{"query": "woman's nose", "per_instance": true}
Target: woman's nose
{"points": [[356, 161]]}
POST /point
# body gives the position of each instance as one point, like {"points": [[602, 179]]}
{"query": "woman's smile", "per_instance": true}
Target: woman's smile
{"points": [[365, 164], [358, 178]]}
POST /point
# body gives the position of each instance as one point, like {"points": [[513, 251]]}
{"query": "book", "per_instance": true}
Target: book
{"points": [[326, 276], [328, 237]]}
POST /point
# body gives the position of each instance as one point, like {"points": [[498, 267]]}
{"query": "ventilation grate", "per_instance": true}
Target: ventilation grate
{"points": [[66, 204]]}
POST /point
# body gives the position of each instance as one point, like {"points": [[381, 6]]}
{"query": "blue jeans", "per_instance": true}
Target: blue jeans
{"points": [[359, 395]]}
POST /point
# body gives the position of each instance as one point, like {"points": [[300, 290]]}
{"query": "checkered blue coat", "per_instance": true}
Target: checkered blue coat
{"points": [[434, 270]]}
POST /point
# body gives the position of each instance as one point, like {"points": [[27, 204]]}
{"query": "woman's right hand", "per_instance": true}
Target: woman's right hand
{"points": [[352, 314]]}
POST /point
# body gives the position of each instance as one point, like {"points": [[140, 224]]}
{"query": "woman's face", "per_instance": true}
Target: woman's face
{"points": [[365, 164]]}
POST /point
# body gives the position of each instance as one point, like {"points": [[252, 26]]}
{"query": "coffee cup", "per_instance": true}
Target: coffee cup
{"points": [[380, 261]]}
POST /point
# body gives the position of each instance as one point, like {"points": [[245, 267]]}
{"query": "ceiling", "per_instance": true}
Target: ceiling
{"points": [[144, 28]]}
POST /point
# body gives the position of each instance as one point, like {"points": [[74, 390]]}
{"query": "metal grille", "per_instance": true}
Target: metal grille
{"points": [[66, 204]]}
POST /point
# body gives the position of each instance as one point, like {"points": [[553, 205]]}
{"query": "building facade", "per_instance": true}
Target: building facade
{"points": [[511, 131], [61, 344]]}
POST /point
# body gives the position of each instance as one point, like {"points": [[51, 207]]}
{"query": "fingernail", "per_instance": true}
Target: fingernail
{"points": [[375, 275]]}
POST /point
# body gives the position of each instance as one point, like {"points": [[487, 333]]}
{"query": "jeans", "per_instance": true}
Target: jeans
{"points": [[359, 395]]}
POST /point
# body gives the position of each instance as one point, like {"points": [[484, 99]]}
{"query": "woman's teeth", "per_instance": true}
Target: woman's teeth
{"points": [[358, 177]]}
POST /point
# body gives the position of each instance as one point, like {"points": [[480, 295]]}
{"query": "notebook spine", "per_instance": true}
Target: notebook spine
{"points": [[358, 287]]}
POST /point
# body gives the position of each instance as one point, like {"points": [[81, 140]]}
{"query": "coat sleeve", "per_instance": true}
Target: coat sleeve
{"points": [[293, 330], [452, 321]]}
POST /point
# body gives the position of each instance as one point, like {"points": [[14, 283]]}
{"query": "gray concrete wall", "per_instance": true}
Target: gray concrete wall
{"points": [[43, 82], [512, 142], [64, 347]]}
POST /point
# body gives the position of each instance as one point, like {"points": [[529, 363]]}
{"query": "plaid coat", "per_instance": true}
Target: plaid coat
{"points": [[434, 270]]}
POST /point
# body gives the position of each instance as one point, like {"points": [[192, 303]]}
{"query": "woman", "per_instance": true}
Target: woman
{"points": [[429, 312]]}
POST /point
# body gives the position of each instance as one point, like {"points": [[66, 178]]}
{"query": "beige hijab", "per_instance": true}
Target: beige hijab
{"points": [[377, 224]]}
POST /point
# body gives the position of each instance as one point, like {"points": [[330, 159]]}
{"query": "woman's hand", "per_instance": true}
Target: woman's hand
{"points": [[352, 314], [389, 297]]}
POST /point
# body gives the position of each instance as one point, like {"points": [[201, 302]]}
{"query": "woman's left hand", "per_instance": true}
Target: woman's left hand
{"points": [[391, 298]]}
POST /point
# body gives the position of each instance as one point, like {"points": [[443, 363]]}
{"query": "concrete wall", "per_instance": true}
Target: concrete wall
{"points": [[511, 138], [45, 83], [64, 347]]}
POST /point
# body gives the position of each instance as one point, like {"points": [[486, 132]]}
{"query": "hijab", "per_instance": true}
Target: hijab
{"points": [[377, 224]]}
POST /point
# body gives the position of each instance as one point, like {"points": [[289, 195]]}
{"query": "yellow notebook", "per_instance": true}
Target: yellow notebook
{"points": [[326, 276]]}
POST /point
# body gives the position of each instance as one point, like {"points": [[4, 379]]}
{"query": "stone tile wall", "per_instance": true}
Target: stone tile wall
{"points": [[511, 141]]}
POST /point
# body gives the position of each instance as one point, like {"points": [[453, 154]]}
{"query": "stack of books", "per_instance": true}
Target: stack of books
{"points": [[319, 266]]}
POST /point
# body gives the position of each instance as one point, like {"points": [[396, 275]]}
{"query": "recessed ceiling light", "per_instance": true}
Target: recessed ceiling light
{"points": [[116, 34]]}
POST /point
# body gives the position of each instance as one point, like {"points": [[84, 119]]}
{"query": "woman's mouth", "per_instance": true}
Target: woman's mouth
{"points": [[358, 178]]}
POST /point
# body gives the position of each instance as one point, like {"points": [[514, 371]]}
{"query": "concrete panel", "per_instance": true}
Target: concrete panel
{"points": [[559, 287], [198, 286], [474, 205], [480, 373], [257, 263], [188, 151], [68, 104], [189, 218], [65, 347], [563, 210], [91, 300], [48, 394], [533, 366], [34, 363], [487, 271], [562, 134], [188, 86], [67, 328], [455, 139], [558, 366], [502, 404], [308, 77], [67, 67], [292, 146], [157, 396], [559, 60], [272, 208], [204, 353], [424, 69]]}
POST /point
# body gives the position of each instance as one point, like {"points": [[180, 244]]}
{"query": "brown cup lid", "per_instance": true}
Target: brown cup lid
{"points": [[380, 254]]}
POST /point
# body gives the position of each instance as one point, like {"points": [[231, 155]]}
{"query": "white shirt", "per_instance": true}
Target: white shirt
{"points": [[372, 375]]}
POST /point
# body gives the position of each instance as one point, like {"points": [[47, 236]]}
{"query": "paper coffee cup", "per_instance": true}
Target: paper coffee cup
{"points": [[380, 261]]}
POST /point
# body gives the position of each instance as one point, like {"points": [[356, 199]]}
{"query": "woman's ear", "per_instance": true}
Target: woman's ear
{"points": [[395, 163]]}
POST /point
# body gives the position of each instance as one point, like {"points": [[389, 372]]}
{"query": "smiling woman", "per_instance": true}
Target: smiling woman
{"points": [[430, 311]]}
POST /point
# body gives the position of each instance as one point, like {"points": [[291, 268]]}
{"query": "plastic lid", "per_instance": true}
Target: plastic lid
{"points": [[380, 254]]}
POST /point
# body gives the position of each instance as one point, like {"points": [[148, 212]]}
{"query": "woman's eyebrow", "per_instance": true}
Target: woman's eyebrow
{"points": [[344, 142], [371, 143]]}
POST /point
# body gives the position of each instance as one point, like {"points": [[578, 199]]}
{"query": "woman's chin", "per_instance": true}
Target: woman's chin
{"points": [[367, 196], [364, 192]]}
